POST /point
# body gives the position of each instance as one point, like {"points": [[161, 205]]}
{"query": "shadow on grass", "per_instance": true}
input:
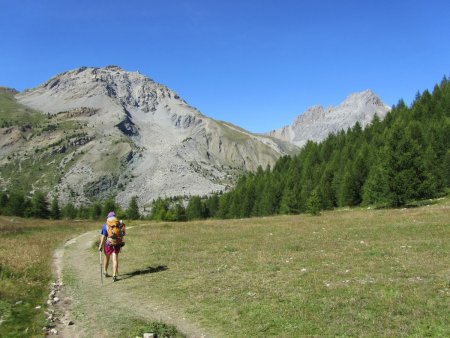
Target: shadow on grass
{"points": [[145, 271]]}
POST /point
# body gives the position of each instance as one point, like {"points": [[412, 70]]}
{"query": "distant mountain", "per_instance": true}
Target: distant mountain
{"points": [[94, 132], [317, 122]]}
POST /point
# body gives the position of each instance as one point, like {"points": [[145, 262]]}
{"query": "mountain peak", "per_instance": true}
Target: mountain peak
{"points": [[134, 137], [98, 87], [366, 97], [316, 123], [114, 67]]}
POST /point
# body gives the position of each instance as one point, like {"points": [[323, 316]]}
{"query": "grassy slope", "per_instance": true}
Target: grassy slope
{"points": [[26, 249], [14, 113], [37, 163], [37, 160], [241, 136], [347, 273]]}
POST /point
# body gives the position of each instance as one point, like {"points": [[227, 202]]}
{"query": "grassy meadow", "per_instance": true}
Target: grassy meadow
{"points": [[349, 272], [26, 249]]}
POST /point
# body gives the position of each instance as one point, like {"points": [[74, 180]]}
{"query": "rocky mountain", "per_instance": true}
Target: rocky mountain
{"points": [[317, 122], [91, 132]]}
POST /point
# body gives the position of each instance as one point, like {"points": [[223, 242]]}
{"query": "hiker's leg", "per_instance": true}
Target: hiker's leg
{"points": [[106, 263], [115, 264]]}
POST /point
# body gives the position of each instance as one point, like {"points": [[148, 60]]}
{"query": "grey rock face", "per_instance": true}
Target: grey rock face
{"points": [[317, 122], [141, 139]]}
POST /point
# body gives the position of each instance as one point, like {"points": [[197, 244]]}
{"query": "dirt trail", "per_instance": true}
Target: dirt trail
{"points": [[90, 305]]}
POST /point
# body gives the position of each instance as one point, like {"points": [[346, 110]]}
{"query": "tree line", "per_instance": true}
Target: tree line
{"points": [[390, 163], [38, 206]]}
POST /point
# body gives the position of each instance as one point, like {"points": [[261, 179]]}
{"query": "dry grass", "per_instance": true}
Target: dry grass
{"points": [[346, 273], [26, 248]]}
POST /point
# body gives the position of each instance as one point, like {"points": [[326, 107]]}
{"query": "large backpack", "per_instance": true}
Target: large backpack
{"points": [[115, 232]]}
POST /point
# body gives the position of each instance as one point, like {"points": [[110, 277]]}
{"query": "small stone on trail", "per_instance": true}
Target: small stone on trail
{"points": [[71, 322], [54, 331], [149, 335]]}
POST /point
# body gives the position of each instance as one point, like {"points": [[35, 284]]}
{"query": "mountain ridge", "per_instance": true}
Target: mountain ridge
{"points": [[317, 122], [137, 137]]}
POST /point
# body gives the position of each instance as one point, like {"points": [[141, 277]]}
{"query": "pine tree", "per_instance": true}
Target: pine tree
{"points": [[194, 208], [83, 212], [3, 202], [69, 211], [248, 199], [109, 205], [346, 190], [96, 210], [376, 189], [159, 209], [16, 204], [212, 205], [133, 209], [180, 213], [405, 166], [289, 201], [313, 203], [359, 175], [325, 189], [55, 212], [224, 206], [446, 169], [39, 206]]}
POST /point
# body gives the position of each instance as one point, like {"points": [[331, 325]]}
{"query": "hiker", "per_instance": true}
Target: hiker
{"points": [[111, 240]]}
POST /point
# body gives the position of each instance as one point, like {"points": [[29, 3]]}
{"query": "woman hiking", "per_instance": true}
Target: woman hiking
{"points": [[111, 240]]}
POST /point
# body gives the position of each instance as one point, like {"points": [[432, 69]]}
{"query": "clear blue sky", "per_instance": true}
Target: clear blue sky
{"points": [[256, 64]]}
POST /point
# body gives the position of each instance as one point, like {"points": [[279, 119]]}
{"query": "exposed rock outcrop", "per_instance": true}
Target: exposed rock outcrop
{"points": [[317, 122], [175, 149]]}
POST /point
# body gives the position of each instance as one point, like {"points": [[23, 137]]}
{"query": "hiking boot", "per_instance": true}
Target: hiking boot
{"points": [[114, 278], [106, 274]]}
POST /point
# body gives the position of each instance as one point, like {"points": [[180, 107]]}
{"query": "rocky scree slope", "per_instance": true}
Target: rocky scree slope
{"points": [[317, 122], [109, 131]]}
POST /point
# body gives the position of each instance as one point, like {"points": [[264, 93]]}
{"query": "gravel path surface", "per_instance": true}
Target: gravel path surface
{"points": [[86, 308]]}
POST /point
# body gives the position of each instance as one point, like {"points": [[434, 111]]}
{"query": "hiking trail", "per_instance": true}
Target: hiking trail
{"points": [[85, 308]]}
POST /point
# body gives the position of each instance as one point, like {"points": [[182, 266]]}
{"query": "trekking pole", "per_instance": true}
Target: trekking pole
{"points": [[101, 272]]}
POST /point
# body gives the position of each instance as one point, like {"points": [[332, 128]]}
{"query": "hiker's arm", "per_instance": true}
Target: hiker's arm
{"points": [[102, 240]]}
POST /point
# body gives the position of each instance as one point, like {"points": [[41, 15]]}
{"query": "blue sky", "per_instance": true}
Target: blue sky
{"points": [[257, 64]]}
